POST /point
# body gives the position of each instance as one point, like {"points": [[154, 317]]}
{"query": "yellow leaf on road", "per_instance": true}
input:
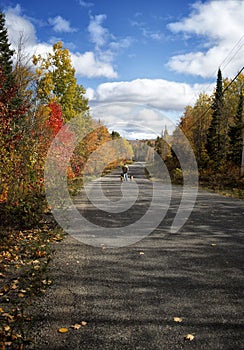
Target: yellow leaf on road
{"points": [[177, 319], [5, 314], [76, 326], [189, 337], [14, 286], [21, 295], [83, 323], [63, 330]]}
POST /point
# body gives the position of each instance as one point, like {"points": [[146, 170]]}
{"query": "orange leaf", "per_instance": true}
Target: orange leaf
{"points": [[63, 330]]}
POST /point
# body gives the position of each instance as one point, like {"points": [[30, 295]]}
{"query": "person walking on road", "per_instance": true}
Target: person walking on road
{"points": [[125, 170]]}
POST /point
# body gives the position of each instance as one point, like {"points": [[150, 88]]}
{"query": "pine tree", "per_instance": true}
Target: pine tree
{"points": [[115, 135], [235, 133], [215, 135], [6, 54], [12, 108]]}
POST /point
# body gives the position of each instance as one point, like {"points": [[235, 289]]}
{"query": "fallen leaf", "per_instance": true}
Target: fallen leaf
{"points": [[35, 262], [63, 330], [6, 328], [177, 319], [21, 295], [16, 336], [47, 282], [141, 253], [2, 275], [8, 343], [5, 289], [14, 286], [213, 244], [189, 337], [5, 314], [83, 323], [76, 326]]}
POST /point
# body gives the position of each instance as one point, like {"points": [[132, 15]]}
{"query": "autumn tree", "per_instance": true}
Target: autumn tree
{"points": [[56, 81], [180, 144], [14, 169], [162, 144], [23, 73], [195, 124], [22, 195]]}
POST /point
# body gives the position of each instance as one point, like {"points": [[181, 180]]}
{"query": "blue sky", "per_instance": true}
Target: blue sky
{"points": [[157, 55]]}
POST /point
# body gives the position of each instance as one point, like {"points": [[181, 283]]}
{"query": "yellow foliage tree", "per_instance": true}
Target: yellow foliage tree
{"points": [[56, 81]]}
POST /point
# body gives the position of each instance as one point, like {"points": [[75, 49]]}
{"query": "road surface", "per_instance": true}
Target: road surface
{"points": [[129, 295]]}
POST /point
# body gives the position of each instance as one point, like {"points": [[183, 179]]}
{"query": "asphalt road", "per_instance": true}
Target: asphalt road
{"points": [[129, 295]]}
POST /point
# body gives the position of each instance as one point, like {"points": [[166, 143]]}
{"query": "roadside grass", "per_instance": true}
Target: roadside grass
{"points": [[228, 184], [24, 260]]}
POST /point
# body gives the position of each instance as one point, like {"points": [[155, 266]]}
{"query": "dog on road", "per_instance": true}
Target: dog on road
{"points": [[131, 177]]}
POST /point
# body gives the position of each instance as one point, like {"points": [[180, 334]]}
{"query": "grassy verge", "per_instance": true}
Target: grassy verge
{"points": [[228, 185], [24, 260], [233, 192]]}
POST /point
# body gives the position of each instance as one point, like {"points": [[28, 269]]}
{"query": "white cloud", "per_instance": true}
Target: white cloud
{"points": [[143, 106], [220, 23], [107, 46], [98, 34], [132, 120], [146, 32], [120, 44], [86, 64], [61, 25], [86, 4], [159, 93], [18, 26], [90, 94]]}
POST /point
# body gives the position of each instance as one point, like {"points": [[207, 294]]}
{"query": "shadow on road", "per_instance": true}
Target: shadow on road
{"points": [[130, 295]]}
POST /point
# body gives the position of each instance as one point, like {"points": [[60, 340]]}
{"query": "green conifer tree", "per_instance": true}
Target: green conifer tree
{"points": [[215, 135], [235, 133], [6, 54]]}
